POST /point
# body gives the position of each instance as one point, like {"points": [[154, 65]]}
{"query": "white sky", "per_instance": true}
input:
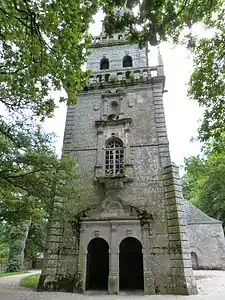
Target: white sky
{"points": [[182, 114]]}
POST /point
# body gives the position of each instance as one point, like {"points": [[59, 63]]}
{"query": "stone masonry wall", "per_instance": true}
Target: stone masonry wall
{"points": [[207, 241], [115, 55], [182, 274]]}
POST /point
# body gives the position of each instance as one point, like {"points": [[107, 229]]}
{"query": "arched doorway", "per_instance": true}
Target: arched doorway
{"points": [[97, 268], [131, 265], [194, 261]]}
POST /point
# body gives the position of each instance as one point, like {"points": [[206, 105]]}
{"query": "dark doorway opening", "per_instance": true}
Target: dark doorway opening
{"points": [[131, 265], [127, 61], [104, 64], [97, 271], [194, 260]]}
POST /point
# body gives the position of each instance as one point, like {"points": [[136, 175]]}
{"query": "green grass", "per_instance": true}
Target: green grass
{"points": [[3, 274], [30, 281]]}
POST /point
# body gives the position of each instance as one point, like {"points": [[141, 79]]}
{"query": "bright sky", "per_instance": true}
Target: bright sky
{"points": [[182, 114]]}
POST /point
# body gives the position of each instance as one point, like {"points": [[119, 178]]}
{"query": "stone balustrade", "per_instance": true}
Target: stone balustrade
{"points": [[127, 75], [104, 39]]}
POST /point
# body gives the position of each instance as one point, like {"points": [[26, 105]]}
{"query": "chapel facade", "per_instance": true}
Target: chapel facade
{"points": [[134, 235]]}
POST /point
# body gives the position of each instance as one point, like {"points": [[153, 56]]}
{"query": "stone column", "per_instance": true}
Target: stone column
{"points": [[149, 287], [82, 260], [182, 274], [113, 282]]}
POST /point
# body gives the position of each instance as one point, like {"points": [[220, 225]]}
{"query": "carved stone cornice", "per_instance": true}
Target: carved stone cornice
{"points": [[109, 93], [103, 123]]}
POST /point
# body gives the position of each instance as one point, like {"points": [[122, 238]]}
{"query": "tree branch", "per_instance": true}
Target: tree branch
{"points": [[182, 8]]}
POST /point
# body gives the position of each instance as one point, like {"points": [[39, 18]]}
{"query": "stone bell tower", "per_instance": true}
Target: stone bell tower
{"points": [[135, 236]]}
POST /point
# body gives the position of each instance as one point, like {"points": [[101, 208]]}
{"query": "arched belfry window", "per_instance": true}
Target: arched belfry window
{"points": [[127, 61], [114, 157], [104, 63]]}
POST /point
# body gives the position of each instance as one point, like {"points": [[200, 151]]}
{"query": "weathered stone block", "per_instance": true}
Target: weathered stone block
{"points": [[177, 228]]}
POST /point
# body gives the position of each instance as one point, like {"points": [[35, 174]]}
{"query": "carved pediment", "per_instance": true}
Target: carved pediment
{"points": [[116, 209]]}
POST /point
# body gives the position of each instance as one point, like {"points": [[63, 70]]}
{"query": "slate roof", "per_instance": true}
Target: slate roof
{"points": [[196, 216]]}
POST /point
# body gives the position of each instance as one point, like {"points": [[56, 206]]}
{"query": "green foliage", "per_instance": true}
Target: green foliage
{"points": [[44, 45], [31, 176], [114, 79], [203, 183], [156, 21], [131, 76], [4, 242], [30, 281], [29, 171], [36, 240], [207, 84], [42, 48], [17, 239]]}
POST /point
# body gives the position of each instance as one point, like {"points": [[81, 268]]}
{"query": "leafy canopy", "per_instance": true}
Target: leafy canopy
{"points": [[203, 183], [156, 21], [42, 47], [207, 84], [29, 173]]}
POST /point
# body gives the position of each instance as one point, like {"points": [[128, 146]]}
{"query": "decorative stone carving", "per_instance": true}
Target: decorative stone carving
{"points": [[114, 209], [96, 233], [129, 232]]}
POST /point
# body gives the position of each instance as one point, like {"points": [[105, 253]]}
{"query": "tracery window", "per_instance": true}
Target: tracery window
{"points": [[114, 157]]}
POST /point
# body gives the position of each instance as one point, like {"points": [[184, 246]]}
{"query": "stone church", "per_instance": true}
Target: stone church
{"points": [[140, 234]]}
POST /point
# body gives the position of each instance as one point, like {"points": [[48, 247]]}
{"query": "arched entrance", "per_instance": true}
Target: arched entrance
{"points": [[97, 268], [131, 265], [194, 261]]}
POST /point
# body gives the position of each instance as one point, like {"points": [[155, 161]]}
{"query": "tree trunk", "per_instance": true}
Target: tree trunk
{"points": [[17, 241]]}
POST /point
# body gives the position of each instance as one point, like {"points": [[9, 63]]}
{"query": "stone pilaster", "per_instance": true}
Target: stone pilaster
{"points": [[69, 128], [113, 281], [182, 274], [82, 259], [149, 287], [160, 123]]}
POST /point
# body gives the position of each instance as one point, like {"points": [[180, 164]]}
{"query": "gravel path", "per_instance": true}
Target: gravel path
{"points": [[211, 286]]}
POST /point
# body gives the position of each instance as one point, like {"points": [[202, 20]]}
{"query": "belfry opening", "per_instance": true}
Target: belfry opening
{"points": [[97, 272], [131, 265]]}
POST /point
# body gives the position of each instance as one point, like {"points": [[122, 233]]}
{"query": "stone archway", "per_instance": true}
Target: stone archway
{"points": [[97, 267], [131, 265], [194, 261]]}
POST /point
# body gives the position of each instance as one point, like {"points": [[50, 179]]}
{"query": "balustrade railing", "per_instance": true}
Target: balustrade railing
{"points": [[116, 37], [134, 75]]}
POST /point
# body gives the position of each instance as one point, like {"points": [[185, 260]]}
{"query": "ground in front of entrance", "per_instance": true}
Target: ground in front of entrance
{"points": [[211, 286]]}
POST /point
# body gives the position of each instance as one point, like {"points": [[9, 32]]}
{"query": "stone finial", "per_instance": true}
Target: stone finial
{"points": [[160, 60], [160, 64]]}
